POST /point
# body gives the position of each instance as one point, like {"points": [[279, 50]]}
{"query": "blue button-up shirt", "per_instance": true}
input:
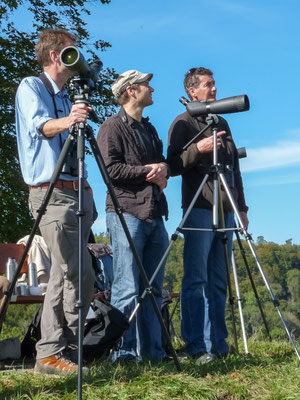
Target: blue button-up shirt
{"points": [[34, 107]]}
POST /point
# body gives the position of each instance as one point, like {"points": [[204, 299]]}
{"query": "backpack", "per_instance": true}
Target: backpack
{"points": [[32, 335], [103, 332]]}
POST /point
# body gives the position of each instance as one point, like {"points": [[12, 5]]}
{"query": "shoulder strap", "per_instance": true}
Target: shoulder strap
{"points": [[49, 87], [122, 115], [47, 83]]}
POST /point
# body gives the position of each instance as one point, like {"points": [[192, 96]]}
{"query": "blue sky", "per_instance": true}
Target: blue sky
{"points": [[253, 48]]}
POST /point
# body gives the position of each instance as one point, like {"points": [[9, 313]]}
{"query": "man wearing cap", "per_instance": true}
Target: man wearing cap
{"points": [[133, 154]]}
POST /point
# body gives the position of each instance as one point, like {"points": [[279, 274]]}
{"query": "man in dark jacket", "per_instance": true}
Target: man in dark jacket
{"points": [[132, 152], [204, 285]]}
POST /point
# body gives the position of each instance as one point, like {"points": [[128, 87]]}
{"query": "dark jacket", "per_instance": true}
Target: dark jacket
{"points": [[124, 155], [193, 166]]}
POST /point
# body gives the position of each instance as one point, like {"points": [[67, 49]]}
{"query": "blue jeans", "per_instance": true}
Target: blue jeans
{"points": [[204, 285], [143, 338]]}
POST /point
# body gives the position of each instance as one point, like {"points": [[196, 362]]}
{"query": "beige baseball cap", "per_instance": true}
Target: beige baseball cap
{"points": [[129, 78]]}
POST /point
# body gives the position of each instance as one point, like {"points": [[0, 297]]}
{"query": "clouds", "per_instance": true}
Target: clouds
{"points": [[282, 154], [235, 7]]}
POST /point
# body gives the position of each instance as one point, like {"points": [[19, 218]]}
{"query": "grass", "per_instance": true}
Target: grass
{"points": [[272, 372]]}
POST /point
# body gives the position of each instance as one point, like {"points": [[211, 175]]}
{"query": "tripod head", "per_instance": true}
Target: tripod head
{"points": [[82, 96]]}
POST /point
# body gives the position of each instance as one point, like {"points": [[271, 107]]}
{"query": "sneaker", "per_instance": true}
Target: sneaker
{"points": [[57, 365], [197, 355], [206, 358], [71, 353]]}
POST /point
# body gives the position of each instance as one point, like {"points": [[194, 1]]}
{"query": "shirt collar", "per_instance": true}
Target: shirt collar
{"points": [[63, 91], [131, 121]]}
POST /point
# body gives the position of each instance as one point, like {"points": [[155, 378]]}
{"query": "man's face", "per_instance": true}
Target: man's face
{"points": [[144, 94], [206, 91]]}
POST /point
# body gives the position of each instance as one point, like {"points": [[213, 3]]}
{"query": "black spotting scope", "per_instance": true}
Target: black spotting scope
{"points": [[71, 58], [224, 106]]}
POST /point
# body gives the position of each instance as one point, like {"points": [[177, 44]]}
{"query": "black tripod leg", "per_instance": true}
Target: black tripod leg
{"points": [[243, 253], [41, 212], [225, 241], [118, 210], [81, 129], [248, 239], [174, 308]]}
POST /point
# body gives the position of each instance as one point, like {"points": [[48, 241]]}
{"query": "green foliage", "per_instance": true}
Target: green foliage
{"points": [[17, 320], [17, 61], [281, 266], [102, 238], [174, 266]]}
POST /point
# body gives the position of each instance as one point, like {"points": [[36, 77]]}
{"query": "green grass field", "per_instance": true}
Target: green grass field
{"points": [[272, 372]]}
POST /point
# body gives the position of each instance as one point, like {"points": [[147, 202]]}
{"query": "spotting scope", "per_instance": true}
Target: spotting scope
{"points": [[71, 58], [224, 106]]}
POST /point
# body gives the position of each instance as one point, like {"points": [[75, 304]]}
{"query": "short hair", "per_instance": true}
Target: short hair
{"points": [[124, 97], [51, 39], [191, 78]]}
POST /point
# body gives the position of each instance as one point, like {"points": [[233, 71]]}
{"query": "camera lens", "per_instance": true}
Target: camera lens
{"points": [[70, 56]]}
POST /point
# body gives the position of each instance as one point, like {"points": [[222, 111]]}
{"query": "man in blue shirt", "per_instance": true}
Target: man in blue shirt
{"points": [[43, 118]]}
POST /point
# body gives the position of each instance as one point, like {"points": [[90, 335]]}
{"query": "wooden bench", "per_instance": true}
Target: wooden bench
{"points": [[16, 250]]}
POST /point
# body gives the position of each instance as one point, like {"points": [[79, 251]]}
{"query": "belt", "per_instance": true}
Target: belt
{"points": [[61, 184]]}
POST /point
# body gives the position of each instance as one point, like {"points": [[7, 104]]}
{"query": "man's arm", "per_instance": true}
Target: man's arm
{"points": [[181, 160], [34, 105], [241, 202], [78, 113], [244, 218], [110, 142], [178, 159]]}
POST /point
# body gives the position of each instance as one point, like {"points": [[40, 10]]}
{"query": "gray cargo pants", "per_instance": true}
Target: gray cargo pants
{"points": [[59, 228]]}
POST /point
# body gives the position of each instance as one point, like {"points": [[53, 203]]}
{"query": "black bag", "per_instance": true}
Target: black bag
{"points": [[32, 335], [100, 335], [103, 332]]}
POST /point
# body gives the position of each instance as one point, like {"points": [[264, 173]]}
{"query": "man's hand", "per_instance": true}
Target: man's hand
{"points": [[78, 113], [207, 145], [157, 174], [244, 218]]}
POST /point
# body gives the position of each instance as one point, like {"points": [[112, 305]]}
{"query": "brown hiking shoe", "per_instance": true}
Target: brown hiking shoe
{"points": [[57, 365]]}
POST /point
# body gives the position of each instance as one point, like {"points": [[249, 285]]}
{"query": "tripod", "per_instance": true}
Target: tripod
{"points": [[82, 130], [239, 300], [218, 178]]}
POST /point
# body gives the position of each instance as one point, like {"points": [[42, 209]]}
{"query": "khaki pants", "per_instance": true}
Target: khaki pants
{"points": [[59, 228]]}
